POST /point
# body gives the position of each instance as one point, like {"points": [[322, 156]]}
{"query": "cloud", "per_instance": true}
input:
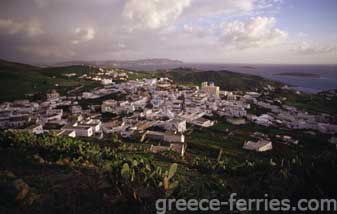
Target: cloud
{"points": [[264, 4], [11, 27], [83, 35], [41, 3], [158, 14], [257, 32], [47, 51], [310, 48], [225, 7], [191, 30], [153, 14], [121, 45]]}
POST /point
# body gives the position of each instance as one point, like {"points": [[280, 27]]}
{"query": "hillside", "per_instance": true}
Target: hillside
{"points": [[19, 80], [57, 174], [227, 80], [13, 66], [47, 174]]}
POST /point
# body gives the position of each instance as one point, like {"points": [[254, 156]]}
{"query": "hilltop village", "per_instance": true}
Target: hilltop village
{"points": [[158, 112]]}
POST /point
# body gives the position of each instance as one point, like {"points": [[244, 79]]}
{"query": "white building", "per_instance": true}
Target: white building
{"points": [[34, 129], [253, 94], [176, 125], [16, 121], [260, 146], [264, 120], [94, 123], [203, 122], [80, 130], [52, 115], [165, 137], [106, 81], [210, 89], [113, 106], [67, 133], [109, 106], [76, 109]]}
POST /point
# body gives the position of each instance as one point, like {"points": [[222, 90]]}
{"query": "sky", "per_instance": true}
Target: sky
{"points": [[201, 31]]}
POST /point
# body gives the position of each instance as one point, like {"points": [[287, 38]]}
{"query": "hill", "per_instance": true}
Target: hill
{"points": [[17, 81], [48, 174], [124, 63], [13, 66], [227, 80]]}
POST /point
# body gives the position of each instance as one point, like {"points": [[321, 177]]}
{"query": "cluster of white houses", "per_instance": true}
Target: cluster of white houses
{"points": [[105, 76], [48, 116], [155, 108], [292, 118]]}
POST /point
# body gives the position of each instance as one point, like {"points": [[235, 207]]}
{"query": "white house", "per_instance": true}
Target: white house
{"points": [[260, 146], [109, 106], [203, 122], [94, 123], [84, 131], [176, 125], [113, 106], [210, 89], [76, 109], [106, 81], [174, 138], [162, 136], [80, 130], [264, 120], [67, 133], [35, 129]]}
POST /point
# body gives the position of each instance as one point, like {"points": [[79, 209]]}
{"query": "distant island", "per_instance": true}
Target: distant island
{"points": [[124, 63], [299, 74], [248, 67]]}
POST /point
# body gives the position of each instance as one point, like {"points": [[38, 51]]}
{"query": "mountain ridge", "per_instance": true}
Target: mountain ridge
{"points": [[121, 63]]}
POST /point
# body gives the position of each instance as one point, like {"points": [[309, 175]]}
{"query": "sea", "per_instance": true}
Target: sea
{"points": [[324, 76]]}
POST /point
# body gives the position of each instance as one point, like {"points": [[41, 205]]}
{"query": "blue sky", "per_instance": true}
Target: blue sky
{"points": [[226, 31], [317, 18]]}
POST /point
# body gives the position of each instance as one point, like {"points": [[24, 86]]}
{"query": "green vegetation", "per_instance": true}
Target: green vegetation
{"points": [[227, 80], [19, 80], [313, 103], [133, 75], [230, 138], [30, 80], [126, 177], [58, 170]]}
